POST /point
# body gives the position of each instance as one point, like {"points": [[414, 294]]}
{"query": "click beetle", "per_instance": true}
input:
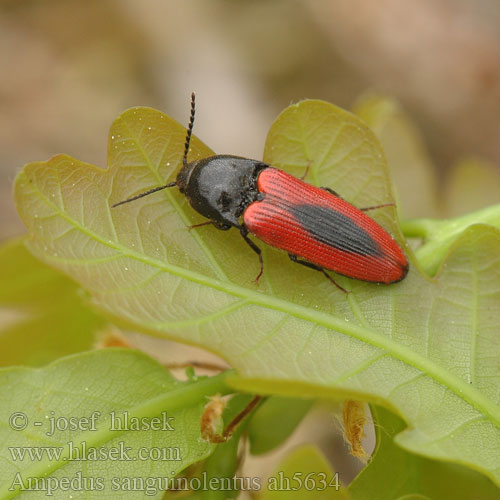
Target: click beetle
{"points": [[315, 226]]}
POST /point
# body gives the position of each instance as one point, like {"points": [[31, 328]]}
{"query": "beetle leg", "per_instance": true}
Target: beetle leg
{"points": [[306, 171], [194, 226], [364, 209], [310, 265], [255, 248], [390, 204], [331, 191], [223, 227]]}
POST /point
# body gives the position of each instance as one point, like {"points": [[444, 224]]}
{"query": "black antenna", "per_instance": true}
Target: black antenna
{"points": [[189, 130], [184, 160], [169, 185]]}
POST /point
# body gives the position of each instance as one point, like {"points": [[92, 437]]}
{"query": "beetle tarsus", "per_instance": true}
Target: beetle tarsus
{"points": [[331, 191], [306, 171], [194, 226], [256, 249], [390, 204], [310, 265]]}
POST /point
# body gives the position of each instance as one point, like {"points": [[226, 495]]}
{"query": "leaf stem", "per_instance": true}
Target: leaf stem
{"points": [[439, 235], [418, 228]]}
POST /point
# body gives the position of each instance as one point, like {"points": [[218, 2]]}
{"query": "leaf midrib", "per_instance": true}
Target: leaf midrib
{"points": [[463, 390]]}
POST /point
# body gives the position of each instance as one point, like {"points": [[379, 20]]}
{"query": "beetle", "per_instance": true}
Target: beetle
{"points": [[315, 226]]}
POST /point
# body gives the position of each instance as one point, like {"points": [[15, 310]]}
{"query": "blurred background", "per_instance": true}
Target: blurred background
{"points": [[68, 68]]}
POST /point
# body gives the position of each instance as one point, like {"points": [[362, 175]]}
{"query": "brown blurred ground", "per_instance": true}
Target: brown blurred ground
{"points": [[68, 68]]}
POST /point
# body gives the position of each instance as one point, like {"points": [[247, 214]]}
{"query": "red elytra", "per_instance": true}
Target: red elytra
{"points": [[322, 228]]}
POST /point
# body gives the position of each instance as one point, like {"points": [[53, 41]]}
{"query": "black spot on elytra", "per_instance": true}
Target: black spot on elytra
{"points": [[335, 229]]}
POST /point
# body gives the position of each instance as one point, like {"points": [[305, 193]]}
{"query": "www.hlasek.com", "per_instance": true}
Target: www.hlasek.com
{"points": [[312, 481], [86, 453]]}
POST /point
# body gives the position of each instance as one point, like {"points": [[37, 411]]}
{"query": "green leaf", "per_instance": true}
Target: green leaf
{"points": [[52, 317], [26, 280], [411, 168], [428, 349], [274, 421], [395, 474], [124, 386], [306, 474]]}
